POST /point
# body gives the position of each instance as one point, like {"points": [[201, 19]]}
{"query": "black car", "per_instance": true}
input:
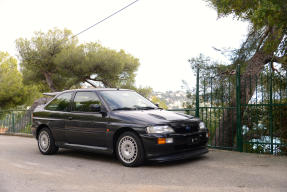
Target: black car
{"points": [[119, 122]]}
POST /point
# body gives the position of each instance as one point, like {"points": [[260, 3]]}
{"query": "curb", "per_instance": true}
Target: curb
{"points": [[17, 134]]}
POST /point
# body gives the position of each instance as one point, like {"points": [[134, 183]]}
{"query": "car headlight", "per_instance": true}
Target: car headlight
{"points": [[160, 129], [202, 126]]}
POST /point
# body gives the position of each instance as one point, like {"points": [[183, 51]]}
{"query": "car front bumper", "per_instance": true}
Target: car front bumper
{"points": [[180, 156], [184, 146]]}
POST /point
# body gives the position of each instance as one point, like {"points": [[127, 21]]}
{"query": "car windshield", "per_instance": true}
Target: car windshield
{"points": [[126, 100]]}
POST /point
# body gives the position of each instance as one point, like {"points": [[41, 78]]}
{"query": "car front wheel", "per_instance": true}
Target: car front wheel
{"points": [[129, 150], [46, 142]]}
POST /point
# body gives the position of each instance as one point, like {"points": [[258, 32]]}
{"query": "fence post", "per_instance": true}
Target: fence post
{"points": [[238, 111], [197, 93], [271, 108], [13, 122]]}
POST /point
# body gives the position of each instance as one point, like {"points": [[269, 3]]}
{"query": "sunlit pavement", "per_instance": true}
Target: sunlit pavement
{"points": [[24, 169]]}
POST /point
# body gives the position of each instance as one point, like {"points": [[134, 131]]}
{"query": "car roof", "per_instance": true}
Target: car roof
{"points": [[98, 89], [86, 89]]}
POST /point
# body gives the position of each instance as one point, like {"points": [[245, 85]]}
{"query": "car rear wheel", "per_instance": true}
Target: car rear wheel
{"points": [[129, 149], [46, 142]]}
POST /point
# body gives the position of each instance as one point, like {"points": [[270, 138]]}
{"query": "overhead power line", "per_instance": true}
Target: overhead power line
{"points": [[105, 18]]}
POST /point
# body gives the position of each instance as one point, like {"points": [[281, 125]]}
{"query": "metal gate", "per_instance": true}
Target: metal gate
{"points": [[255, 124]]}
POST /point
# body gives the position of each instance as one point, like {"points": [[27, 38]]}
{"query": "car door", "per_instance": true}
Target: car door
{"points": [[57, 112], [84, 126]]}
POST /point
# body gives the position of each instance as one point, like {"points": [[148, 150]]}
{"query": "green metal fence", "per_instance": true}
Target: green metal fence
{"points": [[15, 121], [264, 128], [243, 112]]}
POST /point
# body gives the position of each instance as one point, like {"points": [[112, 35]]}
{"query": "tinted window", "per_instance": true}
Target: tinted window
{"points": [[83, 101], [60, 103]]}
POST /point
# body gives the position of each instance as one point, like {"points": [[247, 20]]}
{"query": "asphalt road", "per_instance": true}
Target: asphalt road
{"points": [[24, 169]]}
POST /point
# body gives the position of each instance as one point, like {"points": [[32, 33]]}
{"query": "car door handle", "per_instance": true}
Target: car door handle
{"points": [[70, 118]]}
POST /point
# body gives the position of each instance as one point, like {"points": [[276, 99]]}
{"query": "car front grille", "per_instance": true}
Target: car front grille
{"points": [[186, 127]]}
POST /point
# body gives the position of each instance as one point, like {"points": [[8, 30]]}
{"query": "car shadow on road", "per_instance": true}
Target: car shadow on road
{"points": [[85, 155], [177, 162]]}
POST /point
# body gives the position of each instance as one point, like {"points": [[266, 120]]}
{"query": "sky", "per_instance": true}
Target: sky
{"points": [[163, 34]]}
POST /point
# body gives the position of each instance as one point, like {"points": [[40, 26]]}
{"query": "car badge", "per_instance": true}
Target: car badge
{"points": [[188, 128]]}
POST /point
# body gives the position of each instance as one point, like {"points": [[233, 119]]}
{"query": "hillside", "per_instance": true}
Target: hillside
{"points": [[173, 99]]}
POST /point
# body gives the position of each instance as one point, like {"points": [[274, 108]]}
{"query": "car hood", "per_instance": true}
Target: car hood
{"points": [[151, 116]]}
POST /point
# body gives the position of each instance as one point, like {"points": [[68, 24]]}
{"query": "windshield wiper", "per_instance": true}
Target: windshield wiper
{"points": [[145, 108], [124, 108]]}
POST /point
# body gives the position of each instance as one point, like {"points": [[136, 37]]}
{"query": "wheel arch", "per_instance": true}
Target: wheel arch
{"points": [[121, 131], [39, 129]]}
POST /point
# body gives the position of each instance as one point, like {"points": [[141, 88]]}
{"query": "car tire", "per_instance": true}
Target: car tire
{"points": [[46, 142], [129, 149]]}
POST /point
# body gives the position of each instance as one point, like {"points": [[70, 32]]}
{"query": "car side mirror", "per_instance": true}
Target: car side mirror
{"points": [[95, 108]]}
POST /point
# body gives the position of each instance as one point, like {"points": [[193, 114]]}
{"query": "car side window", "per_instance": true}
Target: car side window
{"points": [[84, 100], [60, 103]]}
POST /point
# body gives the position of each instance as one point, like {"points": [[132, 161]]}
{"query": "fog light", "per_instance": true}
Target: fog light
{"points": [[161, 141], [207, 134], [169, 140]]}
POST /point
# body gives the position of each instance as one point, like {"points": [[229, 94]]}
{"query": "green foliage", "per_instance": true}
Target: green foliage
{"points": [[157, 100], [37, 58], [94, 62], [257, 126], [190, 96], [267, 18], [267, 36], [12, 90], [144, 91], [258, 12], [216, 82], [209, 67], [55, 62]]}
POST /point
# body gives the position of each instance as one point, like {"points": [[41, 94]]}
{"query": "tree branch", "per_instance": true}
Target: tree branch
{"points": [[90, 83], [266, 33], [282, 60], [94, 79], [106, 84], [274, 69], [49, 81]]}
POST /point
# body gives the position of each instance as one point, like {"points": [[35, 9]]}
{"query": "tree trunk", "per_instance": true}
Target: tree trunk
{"points": [[254, 66], [49, 81], [226, 132]]}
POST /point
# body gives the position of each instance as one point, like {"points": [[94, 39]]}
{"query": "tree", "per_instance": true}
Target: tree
{"points": [[156, 100], [190, 97], [94, 62], [266, 43], [37, 58], [56, 61], [12, 91], [144, 91]]}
